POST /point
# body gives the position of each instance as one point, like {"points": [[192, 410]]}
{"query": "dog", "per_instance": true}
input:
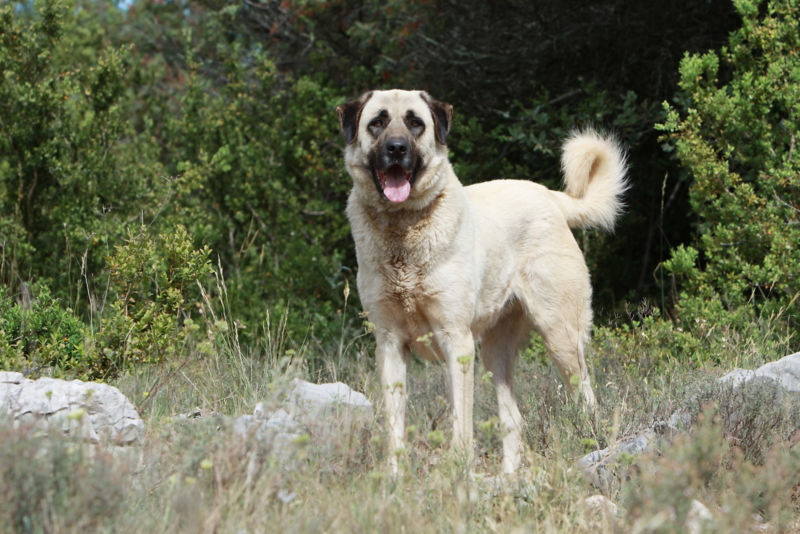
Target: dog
{"points": [[442, 266]]}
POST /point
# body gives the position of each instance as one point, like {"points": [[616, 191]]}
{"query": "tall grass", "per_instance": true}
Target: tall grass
{"points": [[193, 474]]}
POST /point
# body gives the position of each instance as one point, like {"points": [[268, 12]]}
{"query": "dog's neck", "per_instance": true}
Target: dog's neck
{"points": [[398, 222], [406, 231]]}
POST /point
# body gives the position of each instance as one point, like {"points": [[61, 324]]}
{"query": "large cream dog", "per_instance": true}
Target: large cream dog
{"points": [[441, 266]]}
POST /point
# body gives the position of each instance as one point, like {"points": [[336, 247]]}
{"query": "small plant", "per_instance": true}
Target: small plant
{"points": [[52, 484], [707, 467], [754, 417]]}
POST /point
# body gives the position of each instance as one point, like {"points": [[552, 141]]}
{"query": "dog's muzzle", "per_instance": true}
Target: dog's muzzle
{"points": [[395, 169]]}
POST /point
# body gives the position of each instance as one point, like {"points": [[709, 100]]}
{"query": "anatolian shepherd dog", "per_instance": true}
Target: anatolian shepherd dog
{"points": [[441, 266]]}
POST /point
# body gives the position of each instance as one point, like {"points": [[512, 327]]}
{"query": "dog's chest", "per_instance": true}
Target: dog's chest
{"points": [[405, 253], [404, 284], [402, 251], [406, 256]]}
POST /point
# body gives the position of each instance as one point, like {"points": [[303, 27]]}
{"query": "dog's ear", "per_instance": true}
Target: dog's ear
{"points": [[442, 116], [349, 114]]}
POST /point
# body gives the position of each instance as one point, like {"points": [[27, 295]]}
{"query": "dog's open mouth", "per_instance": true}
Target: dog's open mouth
{"points": [[394, 183]]}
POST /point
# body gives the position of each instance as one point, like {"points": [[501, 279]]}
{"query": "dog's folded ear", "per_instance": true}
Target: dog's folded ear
{"points": [[442, 116], [349, 114]]}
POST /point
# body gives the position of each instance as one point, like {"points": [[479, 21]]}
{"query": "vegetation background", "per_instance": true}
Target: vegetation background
{"points": [[172, 193]]}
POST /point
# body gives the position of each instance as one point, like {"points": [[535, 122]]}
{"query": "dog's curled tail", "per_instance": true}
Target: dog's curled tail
{"points": [[594, 180]]}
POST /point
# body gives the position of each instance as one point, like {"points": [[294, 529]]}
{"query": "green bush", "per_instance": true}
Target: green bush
{"points": [[40, 334], [737, 136], [116, 127], [245, 158], [156, 283], [261, 154], [73, 172]]}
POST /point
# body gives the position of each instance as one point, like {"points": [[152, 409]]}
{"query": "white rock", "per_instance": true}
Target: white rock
{"points": [[11, 377], [96, 412], [265, 427], [737, 377], [600, 467], [327, 399], [785, 372], [318, 412], [679, 421], [9, 388], [600, 504], [653, 523], [277, 431], [244, 424], [281, 419], [699, 518], [286, 496]]}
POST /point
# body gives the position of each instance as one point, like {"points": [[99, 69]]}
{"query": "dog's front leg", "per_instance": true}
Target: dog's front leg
{"points": [[390, 354], [459, 353]]}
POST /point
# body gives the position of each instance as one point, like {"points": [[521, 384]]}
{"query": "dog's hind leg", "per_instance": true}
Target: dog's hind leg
{"points": [[499, 351], [559, 304], [569, 354], [566, 337]]}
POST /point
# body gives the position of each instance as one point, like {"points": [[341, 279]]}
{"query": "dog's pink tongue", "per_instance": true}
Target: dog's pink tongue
{"points": [[398, 187]]}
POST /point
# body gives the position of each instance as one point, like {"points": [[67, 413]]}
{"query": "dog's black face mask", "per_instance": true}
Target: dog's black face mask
{"points": [[395, 175], [394, 159]]}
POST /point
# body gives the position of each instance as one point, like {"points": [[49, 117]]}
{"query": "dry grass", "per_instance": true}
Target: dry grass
{"points": [[195, 475]]}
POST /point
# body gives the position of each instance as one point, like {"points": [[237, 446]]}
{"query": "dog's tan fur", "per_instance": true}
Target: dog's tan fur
{"points": [[451, 265]]}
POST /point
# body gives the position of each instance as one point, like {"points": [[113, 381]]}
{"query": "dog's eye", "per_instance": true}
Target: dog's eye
{"points": [[415, 123], [376, 123]]}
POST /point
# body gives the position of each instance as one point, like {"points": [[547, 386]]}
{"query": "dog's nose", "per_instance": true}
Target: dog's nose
{"points": [[396, 147]]}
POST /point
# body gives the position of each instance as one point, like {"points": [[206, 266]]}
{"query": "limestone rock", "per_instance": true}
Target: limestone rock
{"points": [[318, 412], [94, 411], [600, 505], [699, 518], [277, 430], [784, 372], [319, 400], [602, 467]]}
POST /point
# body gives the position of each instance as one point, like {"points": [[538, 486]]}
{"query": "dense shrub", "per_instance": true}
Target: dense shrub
{"points": [[262, 153], [737, 135], [107, 149], [73, 171]]}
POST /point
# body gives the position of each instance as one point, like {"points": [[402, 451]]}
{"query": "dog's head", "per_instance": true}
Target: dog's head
{"points": [[396, 143]]}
